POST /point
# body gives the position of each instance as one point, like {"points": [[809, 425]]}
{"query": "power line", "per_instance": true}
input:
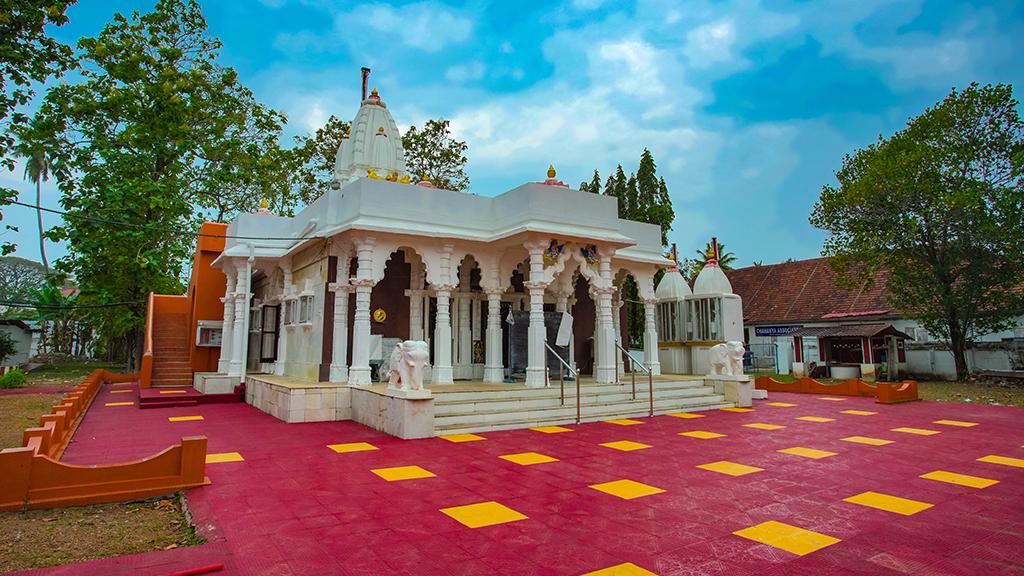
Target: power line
{"points": [[11, 304], [157, 228]]}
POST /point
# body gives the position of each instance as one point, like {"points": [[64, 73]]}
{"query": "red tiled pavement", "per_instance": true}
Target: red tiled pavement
{"points": [[293, 506]]}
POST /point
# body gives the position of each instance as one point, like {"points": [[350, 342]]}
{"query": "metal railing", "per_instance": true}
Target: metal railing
{"points": [[633, 366], [561, 377]]}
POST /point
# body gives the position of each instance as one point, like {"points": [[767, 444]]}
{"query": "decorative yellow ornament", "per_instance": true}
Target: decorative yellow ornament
{"points": [[379, 315]]}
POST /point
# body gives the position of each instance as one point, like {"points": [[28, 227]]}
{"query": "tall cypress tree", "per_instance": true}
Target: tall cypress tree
{"points": [[662, 212], [609, 185], [647, 188], [632, 199], [620, 191], [595, 183]]}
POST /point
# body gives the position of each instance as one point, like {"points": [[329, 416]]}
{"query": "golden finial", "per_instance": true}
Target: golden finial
{"points": [[371, 173], [374, 91], [551, 170], [711, 253], [380, 130], [392, 176], [404, 179], [264, 204]]}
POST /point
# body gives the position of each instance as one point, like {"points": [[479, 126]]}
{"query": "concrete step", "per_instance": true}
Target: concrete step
{"points": [[587, 397], [514, 422], [559, 412], [442, 397]]}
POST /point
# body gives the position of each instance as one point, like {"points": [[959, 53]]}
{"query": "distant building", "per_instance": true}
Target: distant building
{"points": [[795, 315], [26, 339]]}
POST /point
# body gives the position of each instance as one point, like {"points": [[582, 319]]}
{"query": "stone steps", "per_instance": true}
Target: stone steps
{"points": [[587, 397]]}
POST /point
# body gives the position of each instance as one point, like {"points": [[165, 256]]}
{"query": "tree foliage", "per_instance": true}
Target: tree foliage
{"points": [[725, 259], [316, 155], [155, 133], [19, 278], [642, 196], [28, 56], [940, 205], [433, 153]]}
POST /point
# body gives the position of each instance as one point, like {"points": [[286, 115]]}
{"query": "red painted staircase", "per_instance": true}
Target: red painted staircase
{"points": [[171, 363]]}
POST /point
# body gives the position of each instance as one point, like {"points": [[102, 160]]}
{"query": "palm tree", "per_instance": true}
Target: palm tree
{"points": [[725, 259], [37, 170]]}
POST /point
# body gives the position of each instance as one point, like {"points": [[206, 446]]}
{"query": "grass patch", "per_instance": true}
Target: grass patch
{"points": [[20, 411], [971, 392], [40, 538], [68, 373]]}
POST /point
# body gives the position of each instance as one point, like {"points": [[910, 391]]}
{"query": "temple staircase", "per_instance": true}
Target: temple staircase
{"points": [[171, 363], [506, 408]]}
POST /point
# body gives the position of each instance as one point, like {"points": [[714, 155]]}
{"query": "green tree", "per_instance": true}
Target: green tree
{"points": [[37, 171], [618, 189], [317, 154], [725, 259], [632, 200], [646, 187], [27, 57], [595, 184], [154, 132], [433, 153], [8, 348], [940, 206], [19, 277]]}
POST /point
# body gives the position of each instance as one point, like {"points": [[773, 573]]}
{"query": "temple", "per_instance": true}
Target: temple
{"points": [[518, 297]]}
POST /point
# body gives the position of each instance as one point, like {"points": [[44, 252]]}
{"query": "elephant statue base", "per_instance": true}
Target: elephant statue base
{"points": [[405, 369]]}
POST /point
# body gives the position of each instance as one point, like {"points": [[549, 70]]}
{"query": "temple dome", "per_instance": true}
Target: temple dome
{"points": [[712, 280], [672, 287], [373, 145]]}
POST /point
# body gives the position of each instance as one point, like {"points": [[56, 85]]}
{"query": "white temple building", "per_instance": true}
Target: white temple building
{"points": [[315, 303]]}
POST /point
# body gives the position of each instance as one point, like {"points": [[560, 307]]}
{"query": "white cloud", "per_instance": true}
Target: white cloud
{"points": [[424, 25], [631, 66], [466, 72], [710, 43]]}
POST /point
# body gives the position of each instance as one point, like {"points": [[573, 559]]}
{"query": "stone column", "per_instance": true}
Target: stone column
{"points": [[359, 371], [416, 303], [227, 335], [651, 336], [339, 354], [442, 371], [464, 336], [605, 370], [536, 334], [282, 332], [241, 304], [494, 371]]}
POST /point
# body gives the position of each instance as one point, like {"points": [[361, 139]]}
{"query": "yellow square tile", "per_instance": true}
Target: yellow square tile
{"points": [[959, 423], [184, 418], [783, 404], [483, 514], [402, 473], [122, 384], [1004, 460], [730, 468], [224, 457], [125, 391], [624, 422], [174, 392], [789, 538], [551, 429], [807, 452], [684, 415], [625, 445], [627, 569], [462, 437], [119, 404], [702, 434], [832, 399], [918, 431], [627, 489], [352, 447], [867, 440], [816, 419], [736, 409], [888, 503], [528, 458], [959, 479], [858, 412], [763, 426]]}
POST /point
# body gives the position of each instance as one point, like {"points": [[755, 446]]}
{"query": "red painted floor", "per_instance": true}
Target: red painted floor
{"points": [[294, 506]]}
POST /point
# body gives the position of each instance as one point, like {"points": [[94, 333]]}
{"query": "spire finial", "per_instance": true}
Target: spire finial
{"points": [[551, 170], [366, 76], [264, 204]]}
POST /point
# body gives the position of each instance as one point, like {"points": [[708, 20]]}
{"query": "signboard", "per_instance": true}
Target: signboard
{"points": [[520, 339], [775, 330]]}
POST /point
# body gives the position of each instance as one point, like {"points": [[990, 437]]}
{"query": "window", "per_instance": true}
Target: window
{"points": [[268, 334], [255, 319], [670, 322], [209, 333], [306, 309], [704, 320], [289, 311]]}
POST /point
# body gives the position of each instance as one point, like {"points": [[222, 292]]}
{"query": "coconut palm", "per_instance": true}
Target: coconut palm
{"points": [[37, 170], [725, 259]]}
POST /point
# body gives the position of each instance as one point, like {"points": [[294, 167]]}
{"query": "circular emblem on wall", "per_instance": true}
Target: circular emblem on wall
{"points": [[379, 315]]}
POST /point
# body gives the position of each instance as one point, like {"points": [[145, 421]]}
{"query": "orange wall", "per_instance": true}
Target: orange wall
{"points": [[207, 286]]}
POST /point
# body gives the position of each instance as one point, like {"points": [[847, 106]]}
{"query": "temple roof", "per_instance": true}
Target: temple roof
{"points": [[672, 287], [712, 280], [373, 145]]}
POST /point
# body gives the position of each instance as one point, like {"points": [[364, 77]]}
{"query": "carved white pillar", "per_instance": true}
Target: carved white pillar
{"points": [[605, 370], [282, 332], [651, 336], [442, 371], [536, 333], [493, 368], [339, 347], [227, 335], [617, 329], [416, 303], [464, 335], [359, 371], [241, 307]]}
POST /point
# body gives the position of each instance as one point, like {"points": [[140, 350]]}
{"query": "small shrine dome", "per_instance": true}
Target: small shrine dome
{"points": [[373, 146], [673, 287], [712, 280]]}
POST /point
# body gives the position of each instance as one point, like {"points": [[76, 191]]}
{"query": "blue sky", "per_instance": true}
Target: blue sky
{"points": [[748, 106]]}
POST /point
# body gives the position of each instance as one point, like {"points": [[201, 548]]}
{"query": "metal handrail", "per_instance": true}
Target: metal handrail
{"points": [[632, 372], [561, 378]]}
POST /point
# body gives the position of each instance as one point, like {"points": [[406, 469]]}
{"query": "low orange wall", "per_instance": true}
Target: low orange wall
{"points": [[906, 392], [32, 476]]}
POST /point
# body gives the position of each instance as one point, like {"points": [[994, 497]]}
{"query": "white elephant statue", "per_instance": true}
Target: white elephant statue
{"points": [[408, 359], [726, 359]]}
